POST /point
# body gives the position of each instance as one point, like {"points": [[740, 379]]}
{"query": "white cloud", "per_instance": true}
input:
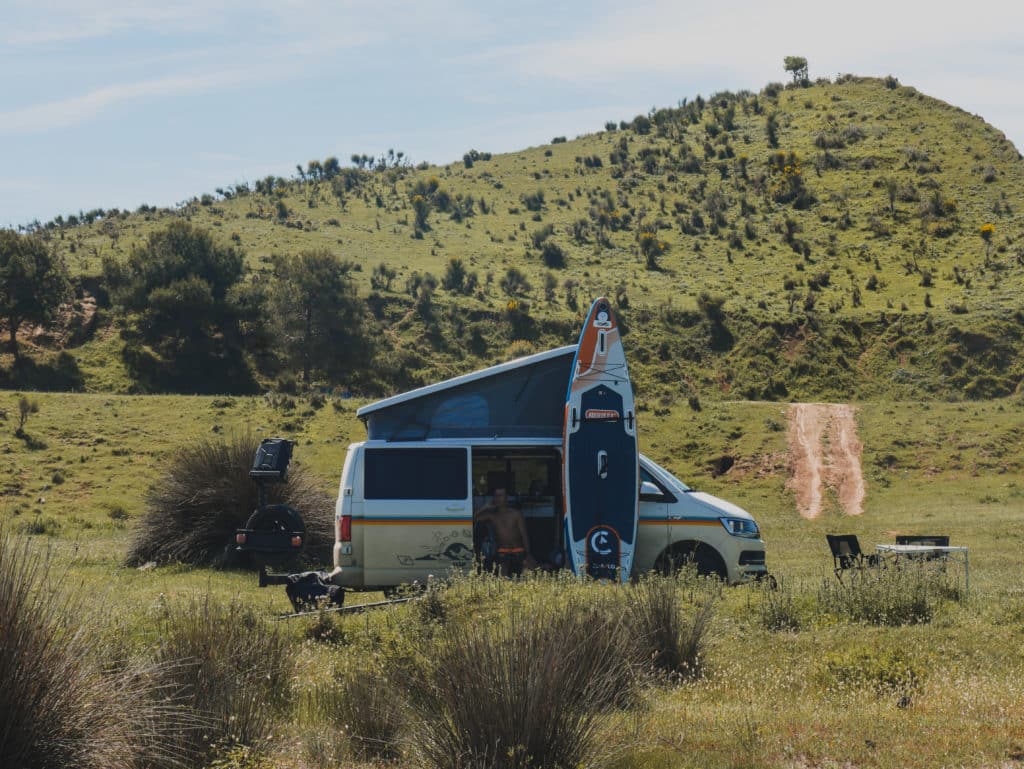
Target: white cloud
{"points": [[60, 21], [67, 112]]}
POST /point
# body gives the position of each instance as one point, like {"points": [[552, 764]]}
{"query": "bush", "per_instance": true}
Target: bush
{"points": [[58, 707], [514, 283], [533, 201], [712, 306], [522, 691], [224, 663], [553, 255], [454, 278], [192, 511]]}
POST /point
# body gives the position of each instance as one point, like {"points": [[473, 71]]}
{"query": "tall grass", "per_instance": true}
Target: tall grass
{"points": [[206, 493], [905, 595], [778, 608], [359, 713], [670, 631], [225, 663], [62, 704], [523, 691]]}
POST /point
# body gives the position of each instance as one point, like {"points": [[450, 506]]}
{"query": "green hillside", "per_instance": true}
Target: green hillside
{"points": [[847, 239]]}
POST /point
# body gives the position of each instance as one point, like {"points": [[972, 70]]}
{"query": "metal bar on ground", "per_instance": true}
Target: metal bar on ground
{"points": [[348, 609]]}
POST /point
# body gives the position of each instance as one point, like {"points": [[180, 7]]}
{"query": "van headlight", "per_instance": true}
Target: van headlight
{"points": [[741, 527]]}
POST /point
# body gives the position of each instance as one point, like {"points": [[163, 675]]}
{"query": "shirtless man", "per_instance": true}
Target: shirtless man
{"points": [[513, 543]]}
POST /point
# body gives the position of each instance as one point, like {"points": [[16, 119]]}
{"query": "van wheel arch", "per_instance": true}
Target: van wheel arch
{"points": [[706, 558]]}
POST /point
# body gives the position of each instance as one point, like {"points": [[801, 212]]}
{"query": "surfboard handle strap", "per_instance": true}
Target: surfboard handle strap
{"points": [[628, 419]]}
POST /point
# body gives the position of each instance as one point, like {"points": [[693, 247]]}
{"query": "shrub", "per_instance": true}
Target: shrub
{"points": [[193, 510], [514, 283], [382, 277], [652, 248], [538, 236], [227, 664], [26, 408], [522, 691], [59, 707], [533, 201], [712, 306], [553, 255], [454, 278]]}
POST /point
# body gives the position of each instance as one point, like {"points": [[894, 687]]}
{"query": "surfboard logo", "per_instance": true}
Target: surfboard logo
{"points": [[601, 414], [602, 320], [601, 542]]}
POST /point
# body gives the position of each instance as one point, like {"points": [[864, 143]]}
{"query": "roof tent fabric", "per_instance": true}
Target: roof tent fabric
{"points": [[525, 401]]}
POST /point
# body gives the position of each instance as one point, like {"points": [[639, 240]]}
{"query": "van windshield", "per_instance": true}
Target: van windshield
{"points": [[648, 477]]}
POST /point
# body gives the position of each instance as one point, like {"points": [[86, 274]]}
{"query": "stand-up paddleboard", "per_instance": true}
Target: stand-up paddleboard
{"points": [[599, 453]]}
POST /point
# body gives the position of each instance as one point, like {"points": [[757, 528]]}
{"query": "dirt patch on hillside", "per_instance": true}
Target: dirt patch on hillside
{"points": [[824, 454]]}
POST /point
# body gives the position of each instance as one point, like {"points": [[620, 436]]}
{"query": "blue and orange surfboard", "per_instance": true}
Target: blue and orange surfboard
{"points": [[599, 453]]}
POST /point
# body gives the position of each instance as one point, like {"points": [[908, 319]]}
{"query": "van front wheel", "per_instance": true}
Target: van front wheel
{"points": [[702, 556]]}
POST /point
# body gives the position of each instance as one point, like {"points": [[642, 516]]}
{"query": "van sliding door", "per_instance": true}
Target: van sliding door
{"points": [[417, 515]]}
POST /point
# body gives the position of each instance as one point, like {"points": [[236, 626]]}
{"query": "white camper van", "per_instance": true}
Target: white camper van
{"points": [[435, 455]]}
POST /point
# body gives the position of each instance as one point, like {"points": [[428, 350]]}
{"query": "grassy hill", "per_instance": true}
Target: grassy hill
{"points": [[848, 239]]}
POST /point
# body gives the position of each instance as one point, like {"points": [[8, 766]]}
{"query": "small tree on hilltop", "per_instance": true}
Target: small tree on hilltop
{"points": [[987, 231], [797, 66], [33, 282]]}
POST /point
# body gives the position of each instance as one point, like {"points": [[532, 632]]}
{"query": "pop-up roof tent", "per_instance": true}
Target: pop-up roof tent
{"points": [[524, 398]]}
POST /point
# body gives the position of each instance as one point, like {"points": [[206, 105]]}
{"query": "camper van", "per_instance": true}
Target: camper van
{"points": [[435, 456]]}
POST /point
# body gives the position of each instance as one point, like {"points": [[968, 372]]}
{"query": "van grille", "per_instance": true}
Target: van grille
{"points": [[752, 558]]}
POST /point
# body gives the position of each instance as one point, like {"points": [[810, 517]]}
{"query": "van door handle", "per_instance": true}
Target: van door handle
{"points": [[455, 507]]}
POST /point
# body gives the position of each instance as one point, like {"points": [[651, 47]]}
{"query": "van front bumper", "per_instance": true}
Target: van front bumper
{"points": [[751, 565]]}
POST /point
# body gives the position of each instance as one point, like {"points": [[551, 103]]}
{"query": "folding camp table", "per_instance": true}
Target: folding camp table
{"points": [[920, 550]]}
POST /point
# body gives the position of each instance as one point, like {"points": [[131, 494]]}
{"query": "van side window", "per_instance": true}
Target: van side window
{"points": [[415, 474], [651, 490]]}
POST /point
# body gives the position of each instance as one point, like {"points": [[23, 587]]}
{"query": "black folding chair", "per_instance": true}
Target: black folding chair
{"points": [[846, 554]]}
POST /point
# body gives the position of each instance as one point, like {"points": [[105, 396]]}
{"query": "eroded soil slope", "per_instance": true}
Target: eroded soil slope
{"points": [[824, 455]]}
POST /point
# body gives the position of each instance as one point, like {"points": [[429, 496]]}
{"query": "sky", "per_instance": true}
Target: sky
{"points": [[118, 103]]}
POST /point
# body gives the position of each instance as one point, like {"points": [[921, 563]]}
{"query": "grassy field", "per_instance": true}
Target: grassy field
{"points": [[825, 694]]}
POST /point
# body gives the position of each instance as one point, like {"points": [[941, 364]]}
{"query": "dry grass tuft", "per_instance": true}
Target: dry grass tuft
{"points": [[225, 663], [522, 692], [670, 630], [359, 713], [62, 704]]}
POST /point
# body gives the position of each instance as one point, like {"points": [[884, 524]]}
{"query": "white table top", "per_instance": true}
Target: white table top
{"points": [[921, 548]]}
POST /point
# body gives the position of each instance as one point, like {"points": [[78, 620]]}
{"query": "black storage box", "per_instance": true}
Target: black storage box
{"points": [[272, 459]]}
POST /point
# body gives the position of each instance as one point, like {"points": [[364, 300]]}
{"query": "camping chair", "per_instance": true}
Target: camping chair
{"points": [[846, 554], [936, 541]]}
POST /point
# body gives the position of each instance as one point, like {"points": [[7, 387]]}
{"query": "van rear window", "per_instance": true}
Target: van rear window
{"points": [[415, 474]]}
